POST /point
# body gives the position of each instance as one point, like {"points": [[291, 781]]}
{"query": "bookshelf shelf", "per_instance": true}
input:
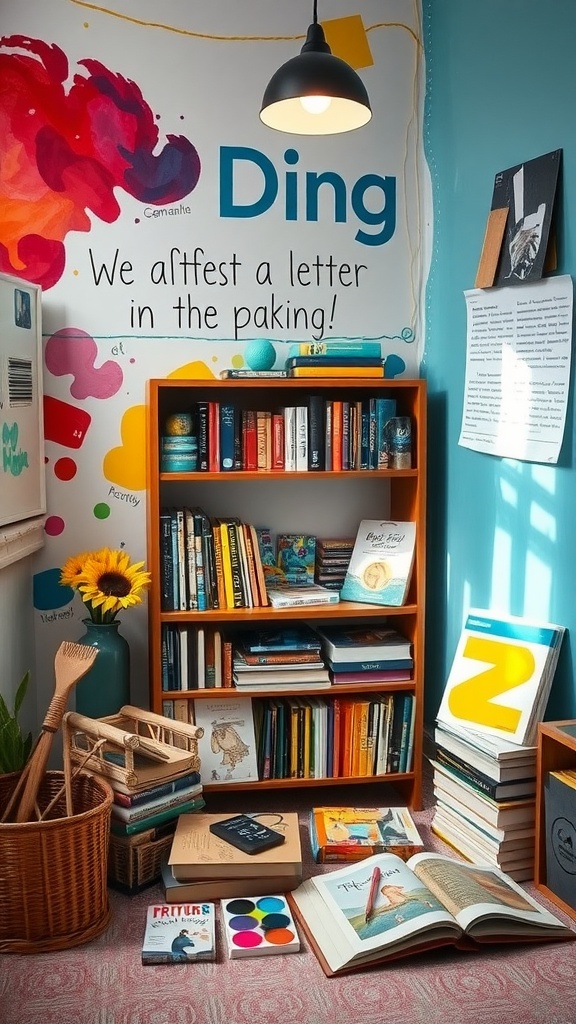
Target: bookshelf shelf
{"points": [[320, 502]]}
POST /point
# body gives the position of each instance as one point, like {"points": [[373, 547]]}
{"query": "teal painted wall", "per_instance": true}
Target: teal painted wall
{"points": [[501, 88]]}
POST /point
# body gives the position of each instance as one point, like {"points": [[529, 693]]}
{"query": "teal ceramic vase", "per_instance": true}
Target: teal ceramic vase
{"points": [[106, 686]]}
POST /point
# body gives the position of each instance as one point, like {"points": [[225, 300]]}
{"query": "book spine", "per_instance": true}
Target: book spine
{"points": [[227, 436], [158, 805], [227, 564], [214, 437], [121, 828], [290, 439], [328, 414], [238, 464], [200, 577], [166, 563], [249, 440], [367, 349], [219, 565], [203, 437], [261, 427], [227, 680], [237, 590], [301, 438], [372, 449], [345, 435], [175, 570], [182, 581], [190, 560], [337, 410], [277, 441], [316, 445], [385, 410]]}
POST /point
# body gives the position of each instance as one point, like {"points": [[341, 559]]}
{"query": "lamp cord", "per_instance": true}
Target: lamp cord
{"points": [[315, 13]]}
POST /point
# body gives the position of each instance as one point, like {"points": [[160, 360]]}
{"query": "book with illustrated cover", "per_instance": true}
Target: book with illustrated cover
{"points": [[197, 853], [501, 676], [179, 934], [337, 348], [381, 563], [284, 638], [228, 747], [296, 555], [359, 643], [383, 908], [354, 833]]}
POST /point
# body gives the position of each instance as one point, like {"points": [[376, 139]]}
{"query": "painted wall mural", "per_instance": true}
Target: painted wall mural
{"points": [[169, 228]]}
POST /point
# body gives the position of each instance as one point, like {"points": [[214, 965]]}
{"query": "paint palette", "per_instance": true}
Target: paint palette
{"points": [[258, 926]]}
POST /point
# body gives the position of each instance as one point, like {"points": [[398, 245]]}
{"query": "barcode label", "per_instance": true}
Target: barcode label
{"points": [[19, 381]]}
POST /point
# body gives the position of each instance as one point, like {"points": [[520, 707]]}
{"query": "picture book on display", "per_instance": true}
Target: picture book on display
{"points": [[228, 747], [501, 676], [179, 934], [381, 563], [258, 926], [197, 853], [384, 908], [355, 833]]}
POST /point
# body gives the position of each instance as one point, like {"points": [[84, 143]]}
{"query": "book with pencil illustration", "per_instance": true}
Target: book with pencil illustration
{"points": [[383, 908]]}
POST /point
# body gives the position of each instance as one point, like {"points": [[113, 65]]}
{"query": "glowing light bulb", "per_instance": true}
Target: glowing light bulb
{"points": [[315, 104]]}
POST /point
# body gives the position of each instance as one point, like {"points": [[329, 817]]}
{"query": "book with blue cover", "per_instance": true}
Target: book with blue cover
{"points": [[285, 638], [296, 558], [343, 643]]}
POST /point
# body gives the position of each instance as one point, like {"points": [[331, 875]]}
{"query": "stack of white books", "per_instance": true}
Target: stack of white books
{"points": [[484, 769]]}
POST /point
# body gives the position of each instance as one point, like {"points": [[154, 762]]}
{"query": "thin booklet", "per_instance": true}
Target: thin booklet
{"points": [[383, 908]]}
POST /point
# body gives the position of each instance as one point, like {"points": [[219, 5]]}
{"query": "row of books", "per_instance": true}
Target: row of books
{"points": [[203, 657], [209, 562], [312, 738], [321, 434]]}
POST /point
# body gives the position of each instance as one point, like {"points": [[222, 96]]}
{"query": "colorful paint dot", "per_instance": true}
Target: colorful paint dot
{"points": [[272, 921], [136, 220], [54, 526], [101, 510], [279, 936], [48, 592], [243, 922], [270, 904], [65, 469], [240, 906], [75, 273], [247, 940], [237, 362]]}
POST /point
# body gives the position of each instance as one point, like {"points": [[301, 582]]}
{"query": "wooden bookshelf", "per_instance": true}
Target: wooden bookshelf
{"points": [[556, 750], [323, 503]]}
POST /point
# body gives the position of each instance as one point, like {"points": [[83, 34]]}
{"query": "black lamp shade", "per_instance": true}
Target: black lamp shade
{"points": [[315, 72]]}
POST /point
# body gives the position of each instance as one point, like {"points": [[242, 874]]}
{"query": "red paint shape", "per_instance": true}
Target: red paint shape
{"points": [[54, 526], [64, 423], [65, 469]]}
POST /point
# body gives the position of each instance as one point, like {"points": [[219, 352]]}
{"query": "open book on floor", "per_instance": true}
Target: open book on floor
{"points": [[383, 908]]}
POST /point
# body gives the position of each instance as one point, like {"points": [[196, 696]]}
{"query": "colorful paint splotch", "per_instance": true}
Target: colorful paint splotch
{"points": [[125, 465], [54, 526], [64, 150], [65, 469], [48, 593], [72, 351], [64, 423]]}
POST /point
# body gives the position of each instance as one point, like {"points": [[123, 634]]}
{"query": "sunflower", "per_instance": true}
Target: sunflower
{"points": [[72, 569], [107, 581]]}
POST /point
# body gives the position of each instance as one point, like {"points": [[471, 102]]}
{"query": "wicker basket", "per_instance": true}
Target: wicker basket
{"points": [[53, 892], [134, 862]]}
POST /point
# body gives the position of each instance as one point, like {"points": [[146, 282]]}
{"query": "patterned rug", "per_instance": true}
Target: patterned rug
{"points": [[104, 982]]}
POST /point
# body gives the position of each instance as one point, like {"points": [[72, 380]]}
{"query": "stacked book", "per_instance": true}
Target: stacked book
{"points": [[332, 560], [278, 659], [485, 766], [154, 805], [366, 654], [485, 799], [335, 359], [202, 866], [355, 833], [288, 564]]}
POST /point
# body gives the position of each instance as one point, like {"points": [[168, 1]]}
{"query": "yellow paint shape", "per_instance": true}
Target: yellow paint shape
{"points": [[347, 39], [510, 666], [125, 466], [192, 371]]}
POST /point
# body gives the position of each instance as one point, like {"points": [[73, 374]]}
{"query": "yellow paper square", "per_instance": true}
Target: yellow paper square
{"points": [[347, 39]]}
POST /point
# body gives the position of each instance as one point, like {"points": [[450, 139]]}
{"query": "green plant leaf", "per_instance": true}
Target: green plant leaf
{"points": [[21, 693]]}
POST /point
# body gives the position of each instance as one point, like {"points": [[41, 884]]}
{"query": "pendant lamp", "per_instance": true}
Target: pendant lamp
{"points": [[315, 93]]}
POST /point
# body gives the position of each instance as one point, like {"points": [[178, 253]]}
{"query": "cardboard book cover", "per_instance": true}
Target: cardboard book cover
{"points": [[381, 564], [179, 934], [197, 853]]}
